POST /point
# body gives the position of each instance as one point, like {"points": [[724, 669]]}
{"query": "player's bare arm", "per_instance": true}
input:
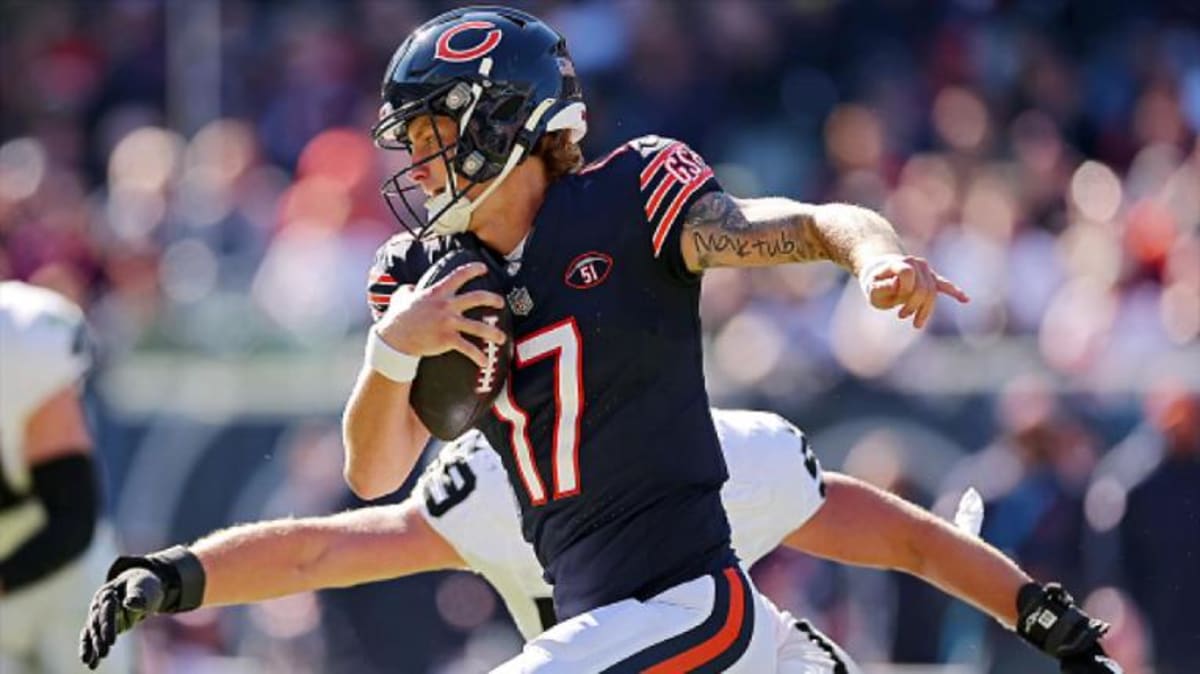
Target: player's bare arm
{"points": [[266, 560], [720, 230], [382, 435], [299, 555], [892, 533]]}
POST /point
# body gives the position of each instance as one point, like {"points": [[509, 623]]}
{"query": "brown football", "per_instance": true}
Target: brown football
{"points": [[451, 393]]}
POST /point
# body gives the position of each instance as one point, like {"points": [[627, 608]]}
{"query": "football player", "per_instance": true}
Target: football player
{"points": [[49, 502], [603, 425], [463, 515]]}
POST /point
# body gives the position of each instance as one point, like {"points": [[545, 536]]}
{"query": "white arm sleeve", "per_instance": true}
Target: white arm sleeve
{"points": [[774, 484]]}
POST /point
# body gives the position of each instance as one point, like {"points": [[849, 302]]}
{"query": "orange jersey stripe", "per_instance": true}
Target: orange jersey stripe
{"points": [[668, 219], [658, 161], [656, 198]]}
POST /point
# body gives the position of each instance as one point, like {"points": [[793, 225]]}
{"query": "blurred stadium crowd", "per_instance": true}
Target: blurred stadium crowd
{"points": [[197, 175]]}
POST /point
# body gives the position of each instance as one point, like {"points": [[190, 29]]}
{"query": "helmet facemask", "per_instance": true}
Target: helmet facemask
{"points": [[491, 142]]}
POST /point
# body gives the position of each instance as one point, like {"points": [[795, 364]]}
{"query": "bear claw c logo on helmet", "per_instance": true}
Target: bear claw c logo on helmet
{"points": [[445, 52], [506, 80]]}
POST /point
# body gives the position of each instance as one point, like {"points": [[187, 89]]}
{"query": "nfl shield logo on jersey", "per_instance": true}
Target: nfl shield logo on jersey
{"points": [[519, 301]]}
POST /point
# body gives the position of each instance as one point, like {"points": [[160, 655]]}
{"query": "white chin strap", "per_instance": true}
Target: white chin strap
{"points": [[456, 217], [452, 220]]}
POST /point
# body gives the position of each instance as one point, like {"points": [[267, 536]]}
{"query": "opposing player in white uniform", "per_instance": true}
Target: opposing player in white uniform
{"points": [[49, 503], [462, 515]]}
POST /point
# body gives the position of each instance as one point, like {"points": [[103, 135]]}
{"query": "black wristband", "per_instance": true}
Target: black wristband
{"points": [[1049, 620], [180, 570]]}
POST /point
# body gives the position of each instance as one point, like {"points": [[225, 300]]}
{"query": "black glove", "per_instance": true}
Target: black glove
{"points": [[169, 581], [1049, 620], [1095, 661], [117, 606]]}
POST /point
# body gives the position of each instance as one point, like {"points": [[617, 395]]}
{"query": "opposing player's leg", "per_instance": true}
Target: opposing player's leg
{"points": [[803, 649], [716, 623]]}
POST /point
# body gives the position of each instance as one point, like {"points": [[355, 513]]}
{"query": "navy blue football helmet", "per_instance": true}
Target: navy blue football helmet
{"points": [[505, 78]]}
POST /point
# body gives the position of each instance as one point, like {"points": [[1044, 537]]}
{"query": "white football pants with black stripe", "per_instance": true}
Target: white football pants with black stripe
{"points": [[805, 650]]}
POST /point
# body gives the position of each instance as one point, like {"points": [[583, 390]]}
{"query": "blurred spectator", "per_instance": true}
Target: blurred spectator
{"points": [[1032, 480], [1160, 536], [909, 631]]}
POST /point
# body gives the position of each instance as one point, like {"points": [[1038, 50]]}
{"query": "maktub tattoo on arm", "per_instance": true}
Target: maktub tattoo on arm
{"points": [[722, 231]]}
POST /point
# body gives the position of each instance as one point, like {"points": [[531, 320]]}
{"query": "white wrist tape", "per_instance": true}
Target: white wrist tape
{"points": [[866, 275], [399, 367]]}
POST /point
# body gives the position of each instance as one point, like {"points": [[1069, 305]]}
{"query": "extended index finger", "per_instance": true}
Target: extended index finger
{"points": [[945, 287]]}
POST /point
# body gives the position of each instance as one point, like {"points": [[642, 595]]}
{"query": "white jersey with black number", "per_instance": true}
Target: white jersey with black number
{"points": [[41, 352], [774, 487]]}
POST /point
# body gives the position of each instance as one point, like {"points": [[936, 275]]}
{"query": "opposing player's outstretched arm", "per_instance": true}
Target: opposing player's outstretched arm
{"points": [[720, 230], [265, 560], [888, 532], [892, 533]]}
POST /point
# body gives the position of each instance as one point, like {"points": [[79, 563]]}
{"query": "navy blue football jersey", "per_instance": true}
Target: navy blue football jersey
{"points": [[604, 426]]}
